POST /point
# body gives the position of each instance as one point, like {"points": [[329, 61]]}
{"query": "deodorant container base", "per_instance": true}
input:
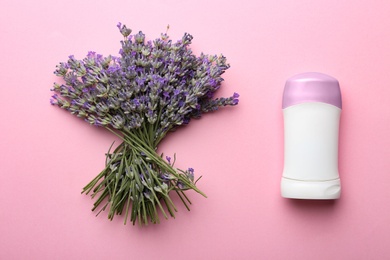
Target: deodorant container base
{"points": [[311, 112]]}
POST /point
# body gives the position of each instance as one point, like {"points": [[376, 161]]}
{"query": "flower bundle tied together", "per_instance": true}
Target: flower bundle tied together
{"points": [[151, 89]]}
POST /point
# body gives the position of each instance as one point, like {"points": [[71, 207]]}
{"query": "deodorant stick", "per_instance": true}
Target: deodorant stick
{"points": [[311, 112]]}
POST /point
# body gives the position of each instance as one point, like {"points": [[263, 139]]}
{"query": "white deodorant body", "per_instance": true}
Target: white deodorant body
{"points": [[311, 111]]}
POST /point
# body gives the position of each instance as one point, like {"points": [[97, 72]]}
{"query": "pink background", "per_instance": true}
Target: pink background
{"points": [[48, 155]]}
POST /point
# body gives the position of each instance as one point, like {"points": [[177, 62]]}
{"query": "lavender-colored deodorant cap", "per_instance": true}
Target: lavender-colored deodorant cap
{"points": [[311, 87]]}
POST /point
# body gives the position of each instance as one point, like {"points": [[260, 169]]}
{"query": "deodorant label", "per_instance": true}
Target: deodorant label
{"points": [[311, 141]]}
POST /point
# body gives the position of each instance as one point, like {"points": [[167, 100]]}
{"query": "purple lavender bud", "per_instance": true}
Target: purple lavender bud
{"points": [[101, 88], [61, 70], [136, 102], [113, 68], [167, 176], [212, 82], [126, 107], [190, 174], [140, 81], [82, 113], [91, 54], [147, 195], [123, 30], [113, 103], [122, 96], [176, 92], [166, 94], [117, 121], [97, 123], [187, 38], [73, 63], [152, 116], [102, 108], [168, 159], [209, 95], [89, 107], [181, 185], [102, 121], [56, 87]]}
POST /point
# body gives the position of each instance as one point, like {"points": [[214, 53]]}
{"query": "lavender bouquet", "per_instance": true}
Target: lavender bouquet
{"points": [[149, 90]]}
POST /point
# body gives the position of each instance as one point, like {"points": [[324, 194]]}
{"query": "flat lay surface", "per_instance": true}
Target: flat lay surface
{"points": [[48, 155]]}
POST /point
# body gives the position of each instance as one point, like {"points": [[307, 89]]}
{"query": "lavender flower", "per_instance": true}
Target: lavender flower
{"points": [[152, 88]]}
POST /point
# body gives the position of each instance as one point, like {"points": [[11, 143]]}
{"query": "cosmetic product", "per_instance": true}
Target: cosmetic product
{"points": [[311, 112]]}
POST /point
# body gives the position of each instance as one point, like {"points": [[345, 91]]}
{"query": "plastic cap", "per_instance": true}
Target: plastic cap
{"points": [[311, 87]]}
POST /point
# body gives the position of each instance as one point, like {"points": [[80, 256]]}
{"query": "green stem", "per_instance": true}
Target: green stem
{"points": [[122, 185], [133, 139]]}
